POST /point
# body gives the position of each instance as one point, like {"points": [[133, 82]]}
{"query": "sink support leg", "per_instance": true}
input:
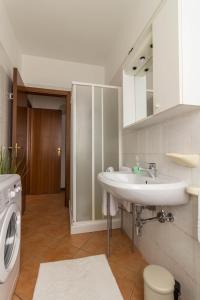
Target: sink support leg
{"points": [[122, 219], [108, 224], [133, 225]]}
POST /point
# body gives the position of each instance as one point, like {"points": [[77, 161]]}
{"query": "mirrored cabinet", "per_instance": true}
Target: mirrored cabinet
{"points": [[138, 83], [161, 73], [143, 80]]}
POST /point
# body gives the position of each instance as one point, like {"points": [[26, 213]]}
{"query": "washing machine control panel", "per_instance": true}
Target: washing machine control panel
{"points": [[10, 194], [14, 191]]}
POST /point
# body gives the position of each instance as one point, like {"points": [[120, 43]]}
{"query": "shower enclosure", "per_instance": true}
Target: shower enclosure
{"points": [[96, 145]]}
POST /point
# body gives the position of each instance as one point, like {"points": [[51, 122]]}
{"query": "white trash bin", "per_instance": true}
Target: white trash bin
{"points": [[158, 283]]}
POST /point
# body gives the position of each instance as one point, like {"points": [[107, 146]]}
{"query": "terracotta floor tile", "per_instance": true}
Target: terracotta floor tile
{"points": [[46, 237], [78, 240], [96, 244], [82, 253], [125, 286], [132, 263], [36, 245], [61, 250], [15, 297], [25, 285]]}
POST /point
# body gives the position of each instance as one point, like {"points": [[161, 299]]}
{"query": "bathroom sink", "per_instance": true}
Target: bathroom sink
{"points": [[139, 189]]}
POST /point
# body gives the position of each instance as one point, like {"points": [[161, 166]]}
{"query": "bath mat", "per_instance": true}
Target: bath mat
{"points": [[88, 278]]}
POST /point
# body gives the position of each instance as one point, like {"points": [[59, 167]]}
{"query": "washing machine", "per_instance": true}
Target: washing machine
{"points": [[10, 233]]}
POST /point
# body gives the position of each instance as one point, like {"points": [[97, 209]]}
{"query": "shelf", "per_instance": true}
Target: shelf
{"points": [[161, 116], [186, 160], [193, 190]]}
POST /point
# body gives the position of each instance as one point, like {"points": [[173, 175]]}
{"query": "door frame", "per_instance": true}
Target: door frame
{"points": [[67, 96], [17, 81]]}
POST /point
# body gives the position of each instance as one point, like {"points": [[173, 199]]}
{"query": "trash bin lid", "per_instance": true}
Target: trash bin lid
{"points": [[159, 279]]}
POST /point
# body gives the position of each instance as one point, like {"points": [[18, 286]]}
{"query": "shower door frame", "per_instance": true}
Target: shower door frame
{"points": [[93, 224]]}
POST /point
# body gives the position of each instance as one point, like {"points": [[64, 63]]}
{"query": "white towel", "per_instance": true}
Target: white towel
{"points": [[198, 219], [113, 205], [126, 204]]}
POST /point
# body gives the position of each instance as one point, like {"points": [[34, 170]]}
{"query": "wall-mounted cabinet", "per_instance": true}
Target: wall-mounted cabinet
{"points": [[163, 70], [138, 83]]}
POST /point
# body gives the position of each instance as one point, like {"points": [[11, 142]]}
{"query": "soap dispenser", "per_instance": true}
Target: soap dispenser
{"points": [[136, 168]]}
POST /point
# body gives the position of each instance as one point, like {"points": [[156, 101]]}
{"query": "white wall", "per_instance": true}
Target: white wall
{"points": [[173, 245], [10, 56], [48, 102], [52, 73], [129, 33], [7, 38], [5, 104]]}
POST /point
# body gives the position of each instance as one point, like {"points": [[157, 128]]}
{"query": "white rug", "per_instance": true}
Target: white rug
{"points": [[88, 278]]}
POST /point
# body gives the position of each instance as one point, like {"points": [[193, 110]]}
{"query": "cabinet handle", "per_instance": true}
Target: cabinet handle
{"points": [[157, 106]]}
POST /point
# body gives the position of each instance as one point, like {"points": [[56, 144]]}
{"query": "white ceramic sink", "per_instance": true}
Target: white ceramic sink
{"points": [[162, 190]]}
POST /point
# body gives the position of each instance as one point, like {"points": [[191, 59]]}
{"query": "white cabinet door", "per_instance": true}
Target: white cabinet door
{"points": [[166, 57], [190, 51]]}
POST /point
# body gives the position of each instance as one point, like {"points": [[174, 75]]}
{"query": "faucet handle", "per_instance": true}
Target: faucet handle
{"points": [[110, 169]]}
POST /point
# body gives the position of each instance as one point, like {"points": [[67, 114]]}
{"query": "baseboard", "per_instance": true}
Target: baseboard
{"points": [[91, 226]]}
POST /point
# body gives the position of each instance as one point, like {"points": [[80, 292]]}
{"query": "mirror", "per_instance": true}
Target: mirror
{"points": [[143, 82], [138, 82]]}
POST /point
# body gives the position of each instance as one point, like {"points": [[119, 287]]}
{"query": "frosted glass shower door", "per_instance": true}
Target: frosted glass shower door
{"points": [[95, 146], [83, 153], [106, 130], [98, 148]]}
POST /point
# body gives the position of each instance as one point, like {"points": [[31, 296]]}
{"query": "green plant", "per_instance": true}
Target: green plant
{"points": [[9, 164]]}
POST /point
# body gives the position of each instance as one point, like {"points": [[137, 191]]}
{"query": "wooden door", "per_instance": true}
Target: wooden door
{"points": [[67, 149], [45, 155], [19, 131]]}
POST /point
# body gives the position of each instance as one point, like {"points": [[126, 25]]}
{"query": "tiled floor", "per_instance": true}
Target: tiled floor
{"points": [[46, 237]]}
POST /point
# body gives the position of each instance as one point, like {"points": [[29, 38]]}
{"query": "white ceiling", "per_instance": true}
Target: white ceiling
{"points": [[47, 102], [74, 30]]}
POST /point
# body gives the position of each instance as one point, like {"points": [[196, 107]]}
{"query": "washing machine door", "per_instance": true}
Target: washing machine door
{"points": [[10, 236]]}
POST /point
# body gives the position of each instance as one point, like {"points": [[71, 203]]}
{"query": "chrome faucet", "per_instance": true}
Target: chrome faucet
{"points": [[151, 170]]}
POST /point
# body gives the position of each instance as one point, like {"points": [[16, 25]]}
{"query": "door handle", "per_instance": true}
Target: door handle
{"points": [[59, 151], [15, 148]]}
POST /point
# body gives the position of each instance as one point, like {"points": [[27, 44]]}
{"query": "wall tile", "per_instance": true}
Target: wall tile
{"points": [[185, 218], [142, 141], [129, 142], [177, 133], [154, 138], [178, 171], [173, 246], [129, 160], [195, 179], [197, 261], [195, 135]]}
